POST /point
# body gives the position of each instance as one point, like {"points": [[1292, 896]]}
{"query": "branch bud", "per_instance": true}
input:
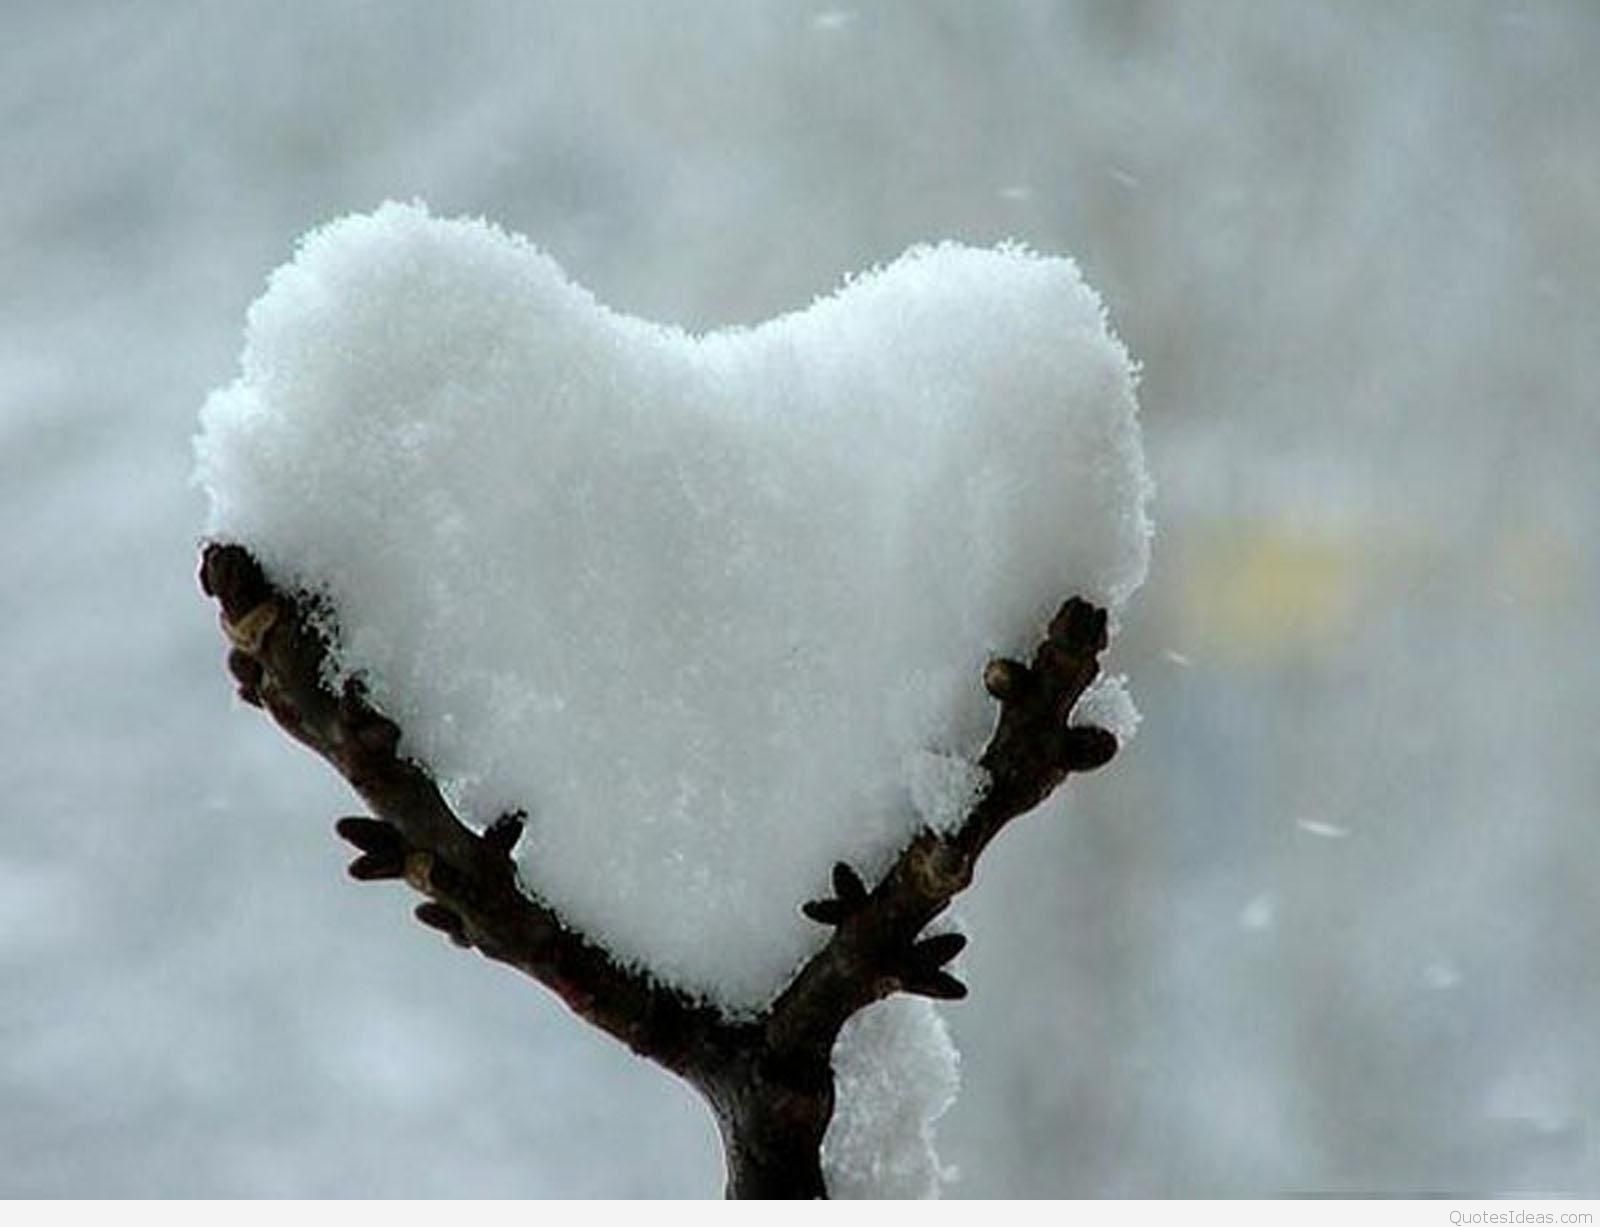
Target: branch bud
{"points": [[1005, 679]]}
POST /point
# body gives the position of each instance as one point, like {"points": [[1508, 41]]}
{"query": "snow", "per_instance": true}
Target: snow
{"points": [[1260, 914], [944, 788], [1323, 830], [895, 1073], [711, 609], [1108, 704]]}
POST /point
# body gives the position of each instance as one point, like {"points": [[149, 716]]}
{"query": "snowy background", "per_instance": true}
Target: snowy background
{"points": [[1325, 927]]}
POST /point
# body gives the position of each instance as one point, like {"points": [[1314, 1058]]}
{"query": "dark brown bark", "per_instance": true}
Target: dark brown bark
{"points": [[769, 1080]]}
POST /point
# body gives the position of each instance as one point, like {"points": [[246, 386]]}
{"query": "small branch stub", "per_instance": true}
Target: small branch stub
{"points": [[849, 896], [1005, 679]]}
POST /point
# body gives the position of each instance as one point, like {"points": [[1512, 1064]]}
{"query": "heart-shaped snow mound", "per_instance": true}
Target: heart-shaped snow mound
{"points": [[713, 610]]}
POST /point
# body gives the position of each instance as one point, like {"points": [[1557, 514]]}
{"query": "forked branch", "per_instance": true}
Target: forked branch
{"points": [[769, 1080]]}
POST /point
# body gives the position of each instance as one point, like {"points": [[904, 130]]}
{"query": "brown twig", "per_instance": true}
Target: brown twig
{"points": [[768, 1080]]}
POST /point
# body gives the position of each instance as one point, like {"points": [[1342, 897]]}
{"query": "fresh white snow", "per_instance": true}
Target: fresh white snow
{"points": [[1108, 704], [895, 1072], [712, 609]]}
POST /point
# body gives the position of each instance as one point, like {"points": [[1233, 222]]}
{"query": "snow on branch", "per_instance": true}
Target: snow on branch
{"points": [[635, 641], [769, 1079]]}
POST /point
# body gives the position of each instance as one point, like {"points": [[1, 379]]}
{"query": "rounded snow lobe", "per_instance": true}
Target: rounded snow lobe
{"points": [[707, 608], [895, 1073]]}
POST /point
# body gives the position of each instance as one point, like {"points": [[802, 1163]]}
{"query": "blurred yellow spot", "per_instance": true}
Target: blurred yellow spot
{"points": [[1266, 591]]}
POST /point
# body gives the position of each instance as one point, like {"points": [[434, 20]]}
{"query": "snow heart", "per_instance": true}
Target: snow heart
{"points": [[712, 610]]}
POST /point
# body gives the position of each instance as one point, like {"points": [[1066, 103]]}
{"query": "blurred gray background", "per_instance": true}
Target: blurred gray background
{"points": [[1326, 926]]}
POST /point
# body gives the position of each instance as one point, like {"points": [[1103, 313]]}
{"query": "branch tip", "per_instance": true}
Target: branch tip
{"points": [[824, 911], [1081, 626], [437, 916], [1086, 748], [233, 576], [504, 832], [1005, 679], [370, 834], [939, 985], [934, 952], [376, 867], [848, 886]]}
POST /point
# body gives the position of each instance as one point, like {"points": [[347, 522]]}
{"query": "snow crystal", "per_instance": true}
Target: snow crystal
{"points": [[699, 605], [834, 20], [1323, 830], [1441, 975], [1108, 704], [895, 1072], [1259, 914], [944, 788]]}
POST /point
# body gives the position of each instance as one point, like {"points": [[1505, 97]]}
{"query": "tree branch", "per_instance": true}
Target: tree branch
{"points": [[769, 1080]]}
